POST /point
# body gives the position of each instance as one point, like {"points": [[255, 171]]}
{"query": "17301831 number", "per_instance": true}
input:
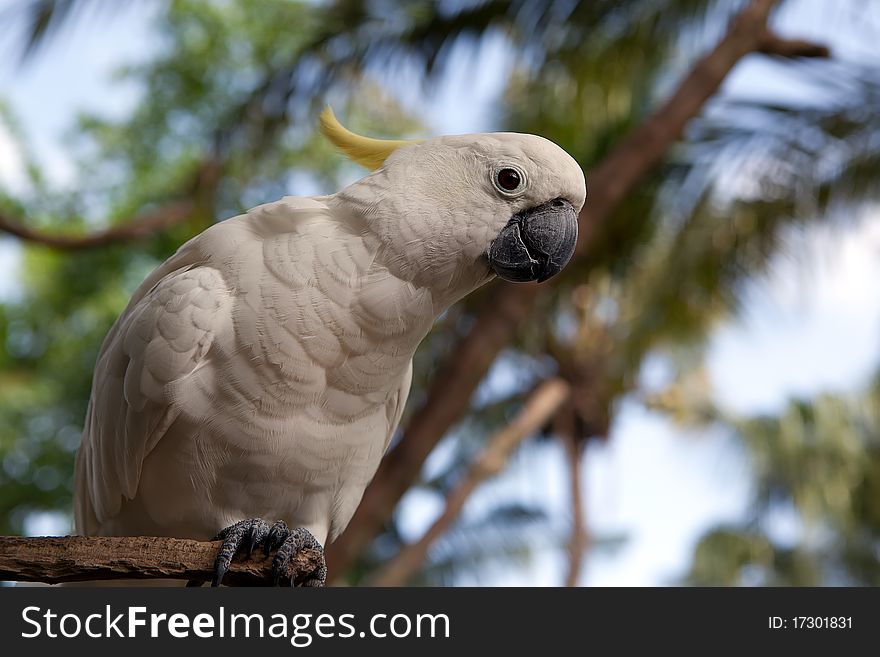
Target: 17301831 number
{"points": [[810, 622]]}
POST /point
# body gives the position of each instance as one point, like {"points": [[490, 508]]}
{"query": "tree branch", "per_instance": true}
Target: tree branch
{"points": [[580, 536], [53, 560], [203, 184], [136, 229], [534, 415], [510, 304], [773, 44]]}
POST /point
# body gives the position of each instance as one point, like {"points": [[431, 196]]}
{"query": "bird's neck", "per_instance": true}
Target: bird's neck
{"points": [[399, 247]]}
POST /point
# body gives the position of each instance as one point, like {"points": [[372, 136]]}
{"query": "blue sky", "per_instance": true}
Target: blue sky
{"points": [[803, 329]]}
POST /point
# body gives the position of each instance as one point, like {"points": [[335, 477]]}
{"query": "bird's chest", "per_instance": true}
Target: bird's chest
{"points": [[309, 383], [330, 348]]}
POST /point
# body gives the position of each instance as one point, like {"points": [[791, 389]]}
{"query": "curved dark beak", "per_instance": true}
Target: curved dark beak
{"points": [[536, 243]]}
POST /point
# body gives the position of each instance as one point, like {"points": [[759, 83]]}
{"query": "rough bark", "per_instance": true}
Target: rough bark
{"points": [[509, 306], [55, 560]]}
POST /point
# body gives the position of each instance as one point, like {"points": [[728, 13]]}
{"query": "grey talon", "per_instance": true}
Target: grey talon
{"points": [[242, 534], [298, 539]]}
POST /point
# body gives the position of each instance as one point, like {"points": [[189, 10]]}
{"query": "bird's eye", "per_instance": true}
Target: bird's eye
{"points": [[508, 179]]}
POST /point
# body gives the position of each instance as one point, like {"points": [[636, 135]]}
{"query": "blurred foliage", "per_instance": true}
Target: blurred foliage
{"points": [[815, 516], [235, 85]]}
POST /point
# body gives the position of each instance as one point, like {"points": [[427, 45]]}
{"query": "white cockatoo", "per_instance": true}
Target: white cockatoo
{"points": [[261, 371]]}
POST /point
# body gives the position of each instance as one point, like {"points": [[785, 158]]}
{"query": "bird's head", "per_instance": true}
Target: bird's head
{"points": [[455, 211]]}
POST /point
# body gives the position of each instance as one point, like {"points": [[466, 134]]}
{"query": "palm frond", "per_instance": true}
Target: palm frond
{"points": [[41, 21]]}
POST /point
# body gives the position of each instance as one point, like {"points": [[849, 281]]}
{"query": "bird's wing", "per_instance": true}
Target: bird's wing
{"points": [[163, 335]]}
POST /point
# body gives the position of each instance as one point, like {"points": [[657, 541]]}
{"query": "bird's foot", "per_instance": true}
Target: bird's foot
{"points": [[245, 535], [289, 543]]}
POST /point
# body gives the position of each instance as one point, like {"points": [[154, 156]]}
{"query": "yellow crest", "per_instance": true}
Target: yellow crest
{"points": [[368, 152]]}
